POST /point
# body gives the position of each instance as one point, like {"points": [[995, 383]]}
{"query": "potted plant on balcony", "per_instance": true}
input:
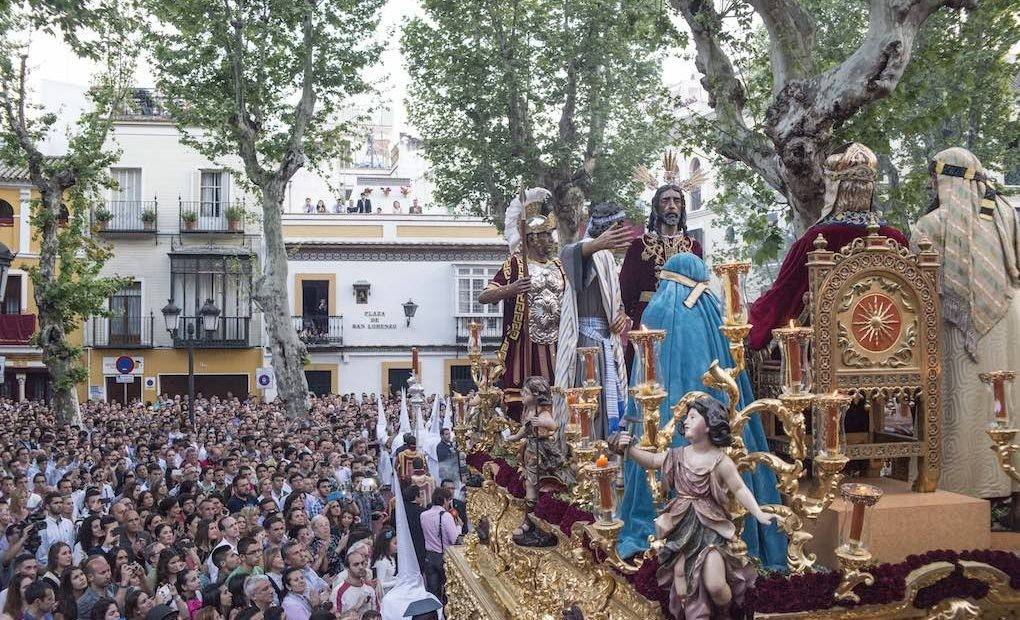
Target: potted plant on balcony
{"points": [[149, 219], [234, 216], [103, 217], [190, 218]]}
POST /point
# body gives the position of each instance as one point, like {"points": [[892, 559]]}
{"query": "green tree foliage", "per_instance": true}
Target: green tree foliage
{"points": [[957, 91], [68, 284], [563, 94], [267, 81]]}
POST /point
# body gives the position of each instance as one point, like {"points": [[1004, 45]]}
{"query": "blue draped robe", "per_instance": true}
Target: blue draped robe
{"points": [[693, 342]]}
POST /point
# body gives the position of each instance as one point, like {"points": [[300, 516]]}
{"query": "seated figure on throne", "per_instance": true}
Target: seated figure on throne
{"points": [[532, 284], [849, 200], [665, 235], [689, 312]]}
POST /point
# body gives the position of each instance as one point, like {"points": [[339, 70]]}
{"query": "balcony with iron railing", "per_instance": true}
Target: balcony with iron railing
{"points": [[119, 332], [126, 216], [492, 328], [204, 216], [320, 331], [16, 329], [231, 333]]}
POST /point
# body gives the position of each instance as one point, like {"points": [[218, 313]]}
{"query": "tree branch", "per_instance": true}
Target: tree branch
{"points": [[791, 39], [294, 158], [244, 130], [521, 141], [726, 94]]}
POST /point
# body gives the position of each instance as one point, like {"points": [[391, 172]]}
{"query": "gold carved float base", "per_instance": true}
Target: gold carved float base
{"points": [[499, 580], [503, 581]]}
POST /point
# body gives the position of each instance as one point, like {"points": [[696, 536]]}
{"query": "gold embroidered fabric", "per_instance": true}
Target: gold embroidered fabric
{"points": [[659, 248]]}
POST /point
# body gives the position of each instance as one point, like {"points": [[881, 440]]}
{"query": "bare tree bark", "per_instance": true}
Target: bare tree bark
{"points": [[805, 108], [270, 290]]}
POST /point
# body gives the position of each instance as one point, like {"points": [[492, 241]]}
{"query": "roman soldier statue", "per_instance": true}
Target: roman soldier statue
{"points": [[532, 285], [850, 176], [665, 235], [593, 315]]}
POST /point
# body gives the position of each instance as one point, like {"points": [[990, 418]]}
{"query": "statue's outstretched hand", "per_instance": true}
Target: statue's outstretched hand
{"points": [[765, 518], [619, 442]]}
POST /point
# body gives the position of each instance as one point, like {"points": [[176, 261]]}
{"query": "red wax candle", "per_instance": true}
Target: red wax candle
{"points": [[735, 301], [605, 486], [999, 393], [414, 362], [832, 429], [589, 366], [649, 360], [857, 522], [585, 423]]}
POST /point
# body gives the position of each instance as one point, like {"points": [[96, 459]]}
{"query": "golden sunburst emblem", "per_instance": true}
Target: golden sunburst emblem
{"points": [[876, 322]]}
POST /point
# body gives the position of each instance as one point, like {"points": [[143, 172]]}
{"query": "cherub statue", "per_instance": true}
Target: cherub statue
{"points": [[543, 458], [694, 529]]}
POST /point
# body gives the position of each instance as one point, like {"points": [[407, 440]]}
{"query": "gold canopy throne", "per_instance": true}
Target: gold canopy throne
{"points": [[874, 307]]}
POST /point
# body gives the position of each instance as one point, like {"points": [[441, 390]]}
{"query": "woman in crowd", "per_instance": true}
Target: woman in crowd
{"points": [[105, 609], [384, 559], [15, 604], [72, 585], [137, 603], [188, 586], [296, 606], [58, 559], [206, 538]]}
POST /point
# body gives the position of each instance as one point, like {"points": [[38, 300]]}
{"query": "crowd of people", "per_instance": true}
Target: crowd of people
{"points": [[362, 205], [134, 513]]}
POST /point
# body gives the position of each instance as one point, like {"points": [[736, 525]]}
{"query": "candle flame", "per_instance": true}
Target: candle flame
{"points": [[602, 461], [793, 322]]}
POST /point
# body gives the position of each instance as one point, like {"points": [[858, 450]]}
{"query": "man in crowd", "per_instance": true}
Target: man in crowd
{"points": [[439, 530]]}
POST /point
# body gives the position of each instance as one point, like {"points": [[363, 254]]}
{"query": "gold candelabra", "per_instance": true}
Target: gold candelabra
{"points": [[1002, 431], [485, 423], [583, 403]]}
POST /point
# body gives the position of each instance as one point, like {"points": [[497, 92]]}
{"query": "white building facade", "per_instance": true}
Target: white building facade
{"points": [[365, 289]]}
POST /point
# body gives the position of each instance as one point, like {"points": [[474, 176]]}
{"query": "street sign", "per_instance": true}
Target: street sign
{"points": [[125, 379], [125, 365], [265, 379], [149, 383]]}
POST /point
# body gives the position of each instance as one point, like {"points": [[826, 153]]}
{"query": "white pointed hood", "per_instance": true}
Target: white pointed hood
{"points": [[385, 469], [410, 583], [405, 423], [448, 415]]}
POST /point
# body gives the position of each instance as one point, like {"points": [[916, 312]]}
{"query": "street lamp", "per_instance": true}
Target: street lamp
{"points": [[6, 256], [409, 309], [210, 315]]}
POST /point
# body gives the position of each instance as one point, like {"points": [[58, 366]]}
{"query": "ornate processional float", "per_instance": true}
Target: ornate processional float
{"points": [[492, 577]]}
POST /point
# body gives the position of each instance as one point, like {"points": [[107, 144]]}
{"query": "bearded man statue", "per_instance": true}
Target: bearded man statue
{"points": [[665, 235]]}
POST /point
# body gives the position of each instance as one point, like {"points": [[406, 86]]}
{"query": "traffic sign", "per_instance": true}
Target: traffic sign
{"points": [[125, 365], [125, 379], [265, 379]]}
